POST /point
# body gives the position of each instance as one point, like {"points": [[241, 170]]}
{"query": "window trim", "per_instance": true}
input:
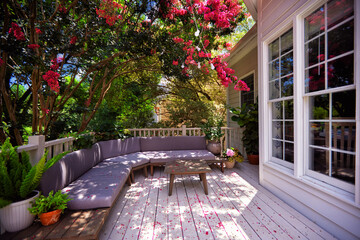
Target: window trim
{"points": [[306, 96]]}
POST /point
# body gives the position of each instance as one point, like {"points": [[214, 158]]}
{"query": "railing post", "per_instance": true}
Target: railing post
{"points": [[183, 130], [35, 155]]}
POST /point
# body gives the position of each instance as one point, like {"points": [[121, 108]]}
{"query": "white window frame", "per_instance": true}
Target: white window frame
{"points": [[306, 96], [269, 101], [296, 20]]}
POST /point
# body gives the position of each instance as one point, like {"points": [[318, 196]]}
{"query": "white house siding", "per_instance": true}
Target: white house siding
{"points": [[335, 210], [243, 60]]}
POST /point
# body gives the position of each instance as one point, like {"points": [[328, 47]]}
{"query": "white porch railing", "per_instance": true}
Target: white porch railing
{"points": [[37, 146], [231, 136]]}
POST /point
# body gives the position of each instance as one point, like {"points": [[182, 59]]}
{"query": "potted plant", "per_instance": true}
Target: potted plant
{"points": [[247, 116], [213, 135], [49, 208], [18, 181], [233, 155]]}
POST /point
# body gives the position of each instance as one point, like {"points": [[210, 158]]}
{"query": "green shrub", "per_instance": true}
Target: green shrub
{"points": [[50, 203], [18, 178]]}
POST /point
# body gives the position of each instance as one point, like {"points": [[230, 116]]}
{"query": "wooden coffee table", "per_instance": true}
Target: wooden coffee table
{"points": [[187, 167]]}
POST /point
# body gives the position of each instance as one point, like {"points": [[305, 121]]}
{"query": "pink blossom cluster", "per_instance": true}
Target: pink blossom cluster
{"points": [[51, 78], [38, 31], [108, 10], [87, 102], [73, 40], [178, 40], [224, 73], [241, 86], [33, 46], [230, 152], [17, 31], [45, 110], [62, 9], [55, 63]]}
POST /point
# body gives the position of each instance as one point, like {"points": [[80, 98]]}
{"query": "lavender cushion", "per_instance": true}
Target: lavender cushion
{"points": [[114, 148], [166, 156], [172, 143], [98, 188], [132, 159], [69, 168]]}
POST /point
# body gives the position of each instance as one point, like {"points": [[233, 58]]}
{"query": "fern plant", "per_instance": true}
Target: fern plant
{"points": [[17, 177]]}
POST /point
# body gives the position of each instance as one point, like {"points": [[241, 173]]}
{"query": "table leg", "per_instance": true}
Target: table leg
{"points": [[203, 177], [222, 167], [200, 177], [172, 176]]}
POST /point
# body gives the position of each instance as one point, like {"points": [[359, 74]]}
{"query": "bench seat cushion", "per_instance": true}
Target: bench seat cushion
{"points": [[98, 187], [132, 159], [172, 143], [166, 156]]}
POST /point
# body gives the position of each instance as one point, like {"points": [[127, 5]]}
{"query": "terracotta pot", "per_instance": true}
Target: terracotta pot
{"points": [[214, 147], [230, 164], [253, 159], [50, 217]]}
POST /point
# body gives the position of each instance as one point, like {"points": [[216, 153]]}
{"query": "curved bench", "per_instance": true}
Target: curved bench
{"points": [[94, 177]]}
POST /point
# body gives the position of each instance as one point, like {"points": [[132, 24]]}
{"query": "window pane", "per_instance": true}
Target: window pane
{"points": [[341, 71], [341, 39], [289, 109], [289, 131], [286, 41], [343, 166], [277, 149], [274, 69], [343, 105], [315, 79], [289, 152], [287, 86], [274, 50], [314, 23], [319, 107], [277, 129], [343, 136], [248, 97], [277, 110], [319, 134], [274, 89], [314, 51], [339, 10], [319, 160], [287, 64]]}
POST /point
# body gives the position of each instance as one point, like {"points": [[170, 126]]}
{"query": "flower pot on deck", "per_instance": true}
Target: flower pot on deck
{"points": [[214, 147], [16, 216], [50, 217], [253, 159], [230, 164]]}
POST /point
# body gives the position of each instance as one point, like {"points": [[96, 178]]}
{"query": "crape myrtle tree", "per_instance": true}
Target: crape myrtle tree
{"points": [[93, 42]]}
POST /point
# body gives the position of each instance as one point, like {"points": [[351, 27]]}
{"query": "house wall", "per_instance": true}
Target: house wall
{"points": [[243, 67], [334, 209]]}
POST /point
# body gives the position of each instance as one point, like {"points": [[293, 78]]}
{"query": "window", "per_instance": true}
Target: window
{"points": [[330, 92], [280, 64], [248, 97]]}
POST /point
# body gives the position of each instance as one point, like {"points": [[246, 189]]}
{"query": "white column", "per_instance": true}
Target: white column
{"points": [[36, 154]]}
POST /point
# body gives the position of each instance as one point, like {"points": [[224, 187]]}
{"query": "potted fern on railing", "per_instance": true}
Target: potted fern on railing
{"points": [[18, 181]]}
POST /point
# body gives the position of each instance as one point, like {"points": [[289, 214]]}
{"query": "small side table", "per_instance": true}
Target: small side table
{"points": [[187, 167]]}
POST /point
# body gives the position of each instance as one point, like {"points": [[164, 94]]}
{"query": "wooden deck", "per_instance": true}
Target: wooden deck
{"points": [[237, 207]]}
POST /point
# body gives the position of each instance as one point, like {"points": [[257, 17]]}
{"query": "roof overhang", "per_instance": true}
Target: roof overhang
{"points": [[245, 45], [252, 8]]}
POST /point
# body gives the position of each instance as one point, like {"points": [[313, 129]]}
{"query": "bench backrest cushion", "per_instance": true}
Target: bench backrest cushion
{"points": [[69, 168], [172, 143], [117, 147]]}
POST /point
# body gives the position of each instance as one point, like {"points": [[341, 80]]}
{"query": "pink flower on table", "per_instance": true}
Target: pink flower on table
{"points": [[230, 152]]}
